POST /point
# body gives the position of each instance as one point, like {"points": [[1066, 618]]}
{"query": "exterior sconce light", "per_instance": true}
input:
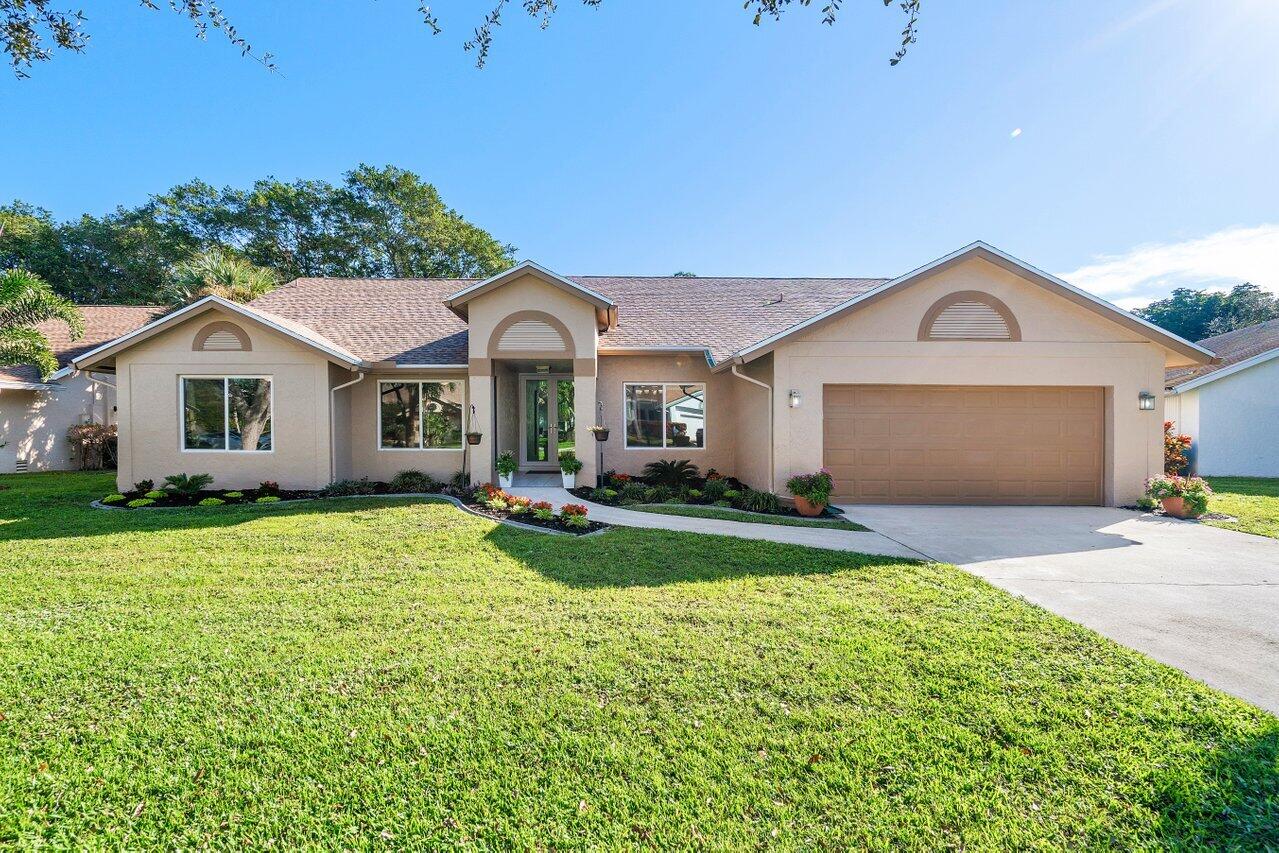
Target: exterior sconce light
{"points": [[795, 399], [1146, 401]]}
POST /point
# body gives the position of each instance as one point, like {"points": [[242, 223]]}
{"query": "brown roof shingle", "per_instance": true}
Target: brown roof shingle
{"points": [[405, 320], [1231, 348], [102, 323]]}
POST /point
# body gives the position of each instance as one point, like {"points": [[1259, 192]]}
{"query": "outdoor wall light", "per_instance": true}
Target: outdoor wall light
{"points": [[1146, 401], [795, 399]]}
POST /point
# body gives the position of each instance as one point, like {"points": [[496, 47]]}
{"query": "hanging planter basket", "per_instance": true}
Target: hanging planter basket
{"points": [[473, 438]]}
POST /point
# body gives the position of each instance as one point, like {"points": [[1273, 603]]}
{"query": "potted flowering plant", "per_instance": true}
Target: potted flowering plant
{"points": [[505, 466], [569, 466], [811, 491], [1181, 497]]}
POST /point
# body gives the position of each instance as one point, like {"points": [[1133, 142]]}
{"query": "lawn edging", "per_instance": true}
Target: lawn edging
{"points": [[432, 497]]}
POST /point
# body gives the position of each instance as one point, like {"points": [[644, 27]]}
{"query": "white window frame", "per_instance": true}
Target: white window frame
{"points": [[706, 432], [377, 402], [226, 412]]}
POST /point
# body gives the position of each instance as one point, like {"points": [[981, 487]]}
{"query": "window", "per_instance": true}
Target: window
{"points": [[226, 413], [667, 415], [420, 415]]}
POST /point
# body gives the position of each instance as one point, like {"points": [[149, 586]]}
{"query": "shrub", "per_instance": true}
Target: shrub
{"points": [[815, 488], [757, 501], [347, 488], [486, 492], [658, 495], [693, 495], [569, 463], [617, 480], [723, 503], [542, 510], [269, 487], [1176, 450], [144, 486], [731, 494], [712, 474], [212, 502], [1147, 503], [460, 480], [188, 485], [671, 472], [714, 490], [92, 444], [137, 503], [156, 494], [604, 495], [113, 499], [632, 492], [519, 504], [268, 499], [497, 504], [414, 481], [1193, 490], [233, 495], [506, 464], [576, 521], [573, 515]]}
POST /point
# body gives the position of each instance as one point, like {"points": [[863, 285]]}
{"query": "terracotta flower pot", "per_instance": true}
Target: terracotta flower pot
{"points": [[1176, 507], [807, 507]]}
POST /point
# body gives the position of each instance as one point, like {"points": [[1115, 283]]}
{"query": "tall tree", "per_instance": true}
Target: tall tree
{"points": [[26, 300], [1198, 314], [31, 30]]}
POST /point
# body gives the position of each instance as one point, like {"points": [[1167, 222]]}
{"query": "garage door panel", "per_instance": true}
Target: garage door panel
{"points": [[956, 444]]}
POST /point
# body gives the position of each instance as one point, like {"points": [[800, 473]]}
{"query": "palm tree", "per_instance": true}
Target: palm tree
{"points": [[218, 272], [25, 301]]}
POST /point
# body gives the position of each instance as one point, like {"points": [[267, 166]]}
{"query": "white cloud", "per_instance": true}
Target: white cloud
{"points": [[1016, 133], [1214, 262]]}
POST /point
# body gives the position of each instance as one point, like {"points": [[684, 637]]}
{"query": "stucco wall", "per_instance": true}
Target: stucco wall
{"points": [[751, 410], [1062, 344], [721, 406], [150, 423], [1234, 430], [34, 424], [368, 458]]}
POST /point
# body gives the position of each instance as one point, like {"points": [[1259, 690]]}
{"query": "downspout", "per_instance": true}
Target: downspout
{"points": [[769, 389], [333, 447]]}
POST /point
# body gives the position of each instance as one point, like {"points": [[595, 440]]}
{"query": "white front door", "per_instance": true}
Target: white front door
{"points": [[546, 421]]}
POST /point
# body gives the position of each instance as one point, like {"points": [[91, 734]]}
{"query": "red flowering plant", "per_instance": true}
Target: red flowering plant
{"points": [[542, 510], [519, 504], [1176, 450], [573, 515]]}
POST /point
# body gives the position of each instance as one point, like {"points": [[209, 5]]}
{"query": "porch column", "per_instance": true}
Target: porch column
{"points": [[584, 415], [479, 459]]}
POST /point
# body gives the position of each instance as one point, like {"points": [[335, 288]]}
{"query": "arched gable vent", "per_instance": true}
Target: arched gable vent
{"points": [[969, 316], [532, 335], [222, 337]]}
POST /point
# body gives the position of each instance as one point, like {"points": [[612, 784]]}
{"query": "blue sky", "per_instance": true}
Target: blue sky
{"points": [[649, 137]]}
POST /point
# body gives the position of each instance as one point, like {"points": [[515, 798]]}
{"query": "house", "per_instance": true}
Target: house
{"points": [[35, 413], [973, 379], [1230, 408]]}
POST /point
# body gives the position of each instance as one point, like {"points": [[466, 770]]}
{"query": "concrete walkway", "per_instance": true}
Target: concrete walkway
{"points": [[1198, 598], [837, 540]]}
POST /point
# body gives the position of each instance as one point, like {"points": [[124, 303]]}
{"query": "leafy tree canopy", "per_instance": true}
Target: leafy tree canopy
{"points": [[1199, 314], [31, 30], [377, 222]]}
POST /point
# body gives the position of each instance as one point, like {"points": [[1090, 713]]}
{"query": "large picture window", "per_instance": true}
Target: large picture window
{"points": [[226, 413], [420, 415], [665, 415]]}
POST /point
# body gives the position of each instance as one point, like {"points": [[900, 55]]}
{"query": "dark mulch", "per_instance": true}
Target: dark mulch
{"points": [[830, 512], [529, 519]]}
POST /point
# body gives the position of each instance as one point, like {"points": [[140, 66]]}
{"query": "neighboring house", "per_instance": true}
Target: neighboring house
{"points": [[1231, 408], [974, 379], [35, 414]]}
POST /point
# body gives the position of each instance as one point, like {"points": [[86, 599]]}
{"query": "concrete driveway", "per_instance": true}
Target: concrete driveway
{"points": [[1196, 597]]}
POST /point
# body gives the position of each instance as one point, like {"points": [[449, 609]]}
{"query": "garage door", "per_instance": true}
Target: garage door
{"points": [[964, 444]]}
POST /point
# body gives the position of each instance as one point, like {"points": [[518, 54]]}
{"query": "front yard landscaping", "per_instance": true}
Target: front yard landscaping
{"points": [[354, 674], [724, 514], [1252, 500]]}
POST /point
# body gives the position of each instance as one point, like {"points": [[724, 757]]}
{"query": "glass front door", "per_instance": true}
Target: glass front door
{"points": [[547, 421]]}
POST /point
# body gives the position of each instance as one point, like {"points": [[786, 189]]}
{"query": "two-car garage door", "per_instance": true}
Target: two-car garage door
{"points": [[965, 444]]}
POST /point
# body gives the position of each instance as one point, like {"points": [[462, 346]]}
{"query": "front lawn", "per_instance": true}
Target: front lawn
{"points": [[1253, 500], [723, 514], [358, 674]]}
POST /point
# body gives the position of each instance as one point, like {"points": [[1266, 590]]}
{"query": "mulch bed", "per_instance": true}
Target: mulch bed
{"points": [[528, 518], [829, 514]]}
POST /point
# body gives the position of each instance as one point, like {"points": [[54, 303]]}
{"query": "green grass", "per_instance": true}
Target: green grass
{"points": [[722, 514], [1253, 500], [368, 673]]}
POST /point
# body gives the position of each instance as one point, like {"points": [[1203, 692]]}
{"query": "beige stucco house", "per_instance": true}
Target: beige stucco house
{"points": [[37, 412], [974, 379]]}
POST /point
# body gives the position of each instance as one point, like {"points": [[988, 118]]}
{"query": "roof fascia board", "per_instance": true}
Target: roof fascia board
{"points": [[668, 349], [1237, 367], [200, 306], [1005, 261]]}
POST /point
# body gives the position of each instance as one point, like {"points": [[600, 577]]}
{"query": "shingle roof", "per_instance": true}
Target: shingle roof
{"points": [[1231, 348], [102, 323], [405, 320]]}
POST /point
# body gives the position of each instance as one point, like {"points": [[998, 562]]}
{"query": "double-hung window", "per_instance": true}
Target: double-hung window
{"points": [[670, 414], [420, 415], [226, 413]]}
